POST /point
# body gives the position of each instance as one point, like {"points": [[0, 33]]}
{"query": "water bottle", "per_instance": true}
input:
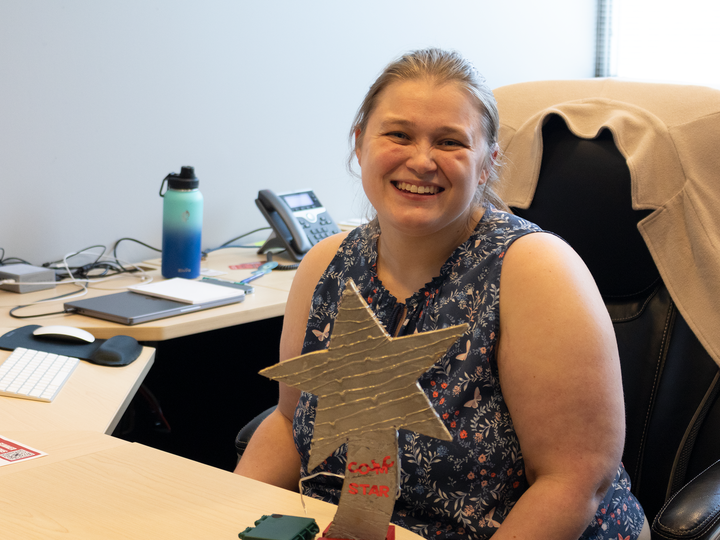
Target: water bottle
{"points": [[182, 225]]}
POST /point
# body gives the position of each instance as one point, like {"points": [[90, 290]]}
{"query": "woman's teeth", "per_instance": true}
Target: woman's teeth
{"points": [[412, 188]]}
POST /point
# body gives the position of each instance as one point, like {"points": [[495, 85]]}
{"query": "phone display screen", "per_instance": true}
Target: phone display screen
{"points": [[298, 200]]}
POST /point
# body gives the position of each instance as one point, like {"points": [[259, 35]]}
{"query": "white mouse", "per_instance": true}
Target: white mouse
{"points": [[65, 333]]}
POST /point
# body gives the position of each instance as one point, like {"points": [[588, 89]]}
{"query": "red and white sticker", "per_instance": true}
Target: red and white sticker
{"points": [[246, 266], [15, 452]]}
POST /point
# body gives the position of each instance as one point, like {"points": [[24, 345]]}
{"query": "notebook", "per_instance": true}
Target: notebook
{"points": [[185, 290], [134, 308]]}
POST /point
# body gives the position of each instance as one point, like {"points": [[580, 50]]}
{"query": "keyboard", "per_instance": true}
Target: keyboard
{"points": [[37, 375]]}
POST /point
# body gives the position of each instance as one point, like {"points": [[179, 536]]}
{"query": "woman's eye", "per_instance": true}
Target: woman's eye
{"points": [[397, 135], [450, 143]]}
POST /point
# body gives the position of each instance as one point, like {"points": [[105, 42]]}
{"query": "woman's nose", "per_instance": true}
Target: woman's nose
{"points": [[421, 160]]}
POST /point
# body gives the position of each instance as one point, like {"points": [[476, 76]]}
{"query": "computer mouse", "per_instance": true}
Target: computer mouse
{"points": [[64, 333]]}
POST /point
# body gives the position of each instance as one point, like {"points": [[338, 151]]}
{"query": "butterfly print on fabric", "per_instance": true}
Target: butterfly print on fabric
{"points": [[325, 334]]}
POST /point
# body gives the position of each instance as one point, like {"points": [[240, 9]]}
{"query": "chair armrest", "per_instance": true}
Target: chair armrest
{"points": [[244, 435], [693, 513]]}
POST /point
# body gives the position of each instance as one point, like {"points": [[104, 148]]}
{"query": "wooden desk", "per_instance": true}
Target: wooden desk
{"points": [[268, 300], [94, 398], [59, 445], [126, 490]]}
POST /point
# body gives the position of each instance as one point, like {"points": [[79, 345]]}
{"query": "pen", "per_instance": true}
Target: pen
{"points": [[261, 271], [254, 275], [243, 283]]}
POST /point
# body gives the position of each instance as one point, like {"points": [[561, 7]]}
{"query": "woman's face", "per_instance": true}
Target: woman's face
{"points": [[422, 157]]}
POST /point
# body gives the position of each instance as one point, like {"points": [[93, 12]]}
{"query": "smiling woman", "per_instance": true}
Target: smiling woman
{"points": [[531, 393]]}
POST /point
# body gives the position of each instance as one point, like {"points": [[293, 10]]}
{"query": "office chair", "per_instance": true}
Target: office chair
{"points": [[246, 432], [670, 381]]}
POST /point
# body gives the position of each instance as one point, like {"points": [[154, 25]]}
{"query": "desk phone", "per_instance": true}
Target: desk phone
{"points": [[298, 219]]}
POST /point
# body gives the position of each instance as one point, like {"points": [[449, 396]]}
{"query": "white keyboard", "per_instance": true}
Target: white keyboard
{"points": [[36, 375]]}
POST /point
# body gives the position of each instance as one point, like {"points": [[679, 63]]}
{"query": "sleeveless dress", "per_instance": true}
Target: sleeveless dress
{"points": [[464, 488]]}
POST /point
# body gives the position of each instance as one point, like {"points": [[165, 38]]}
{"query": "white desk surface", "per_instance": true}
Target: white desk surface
{"points": [[91, 486], [268, 300], [94, 398]]}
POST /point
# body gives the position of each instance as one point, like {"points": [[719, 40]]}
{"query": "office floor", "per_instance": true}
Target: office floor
{"points": [[202, 389]]}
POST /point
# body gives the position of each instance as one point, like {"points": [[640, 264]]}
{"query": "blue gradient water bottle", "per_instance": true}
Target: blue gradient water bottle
{"points": [[182, 225]]}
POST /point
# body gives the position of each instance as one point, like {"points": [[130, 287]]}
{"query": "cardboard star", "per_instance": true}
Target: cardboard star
{"points": [[366, 380]]}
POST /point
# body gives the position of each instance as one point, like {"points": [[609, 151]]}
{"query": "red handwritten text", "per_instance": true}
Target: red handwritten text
{"points": [[367, 489], [364, 468]]}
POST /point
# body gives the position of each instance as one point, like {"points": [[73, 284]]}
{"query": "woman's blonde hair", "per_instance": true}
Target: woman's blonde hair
{"points": [[440, 67]]}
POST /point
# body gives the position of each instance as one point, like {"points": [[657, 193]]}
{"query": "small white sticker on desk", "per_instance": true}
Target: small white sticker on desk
{"points": [[15, 452], [209, 272]]}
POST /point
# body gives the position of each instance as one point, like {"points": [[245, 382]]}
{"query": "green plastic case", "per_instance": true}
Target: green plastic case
{"points": [[279, 527]]}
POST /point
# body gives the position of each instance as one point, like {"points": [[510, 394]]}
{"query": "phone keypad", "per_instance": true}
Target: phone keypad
{"points": [[322, 228]]}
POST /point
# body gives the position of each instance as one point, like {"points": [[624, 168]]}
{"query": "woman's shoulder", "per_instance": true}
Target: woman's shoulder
{"points": [[496, 231], [543, 248], [303, 286], [542, 267]]}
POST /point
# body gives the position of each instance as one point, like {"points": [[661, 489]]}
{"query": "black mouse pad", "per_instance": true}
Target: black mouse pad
{"points": [[116, 351]]}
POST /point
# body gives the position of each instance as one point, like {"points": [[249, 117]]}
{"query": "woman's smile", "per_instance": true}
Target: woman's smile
{"points": [[406, 187]]}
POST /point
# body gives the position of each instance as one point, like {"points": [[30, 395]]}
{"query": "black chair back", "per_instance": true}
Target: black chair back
{"points": [[671, 384]]}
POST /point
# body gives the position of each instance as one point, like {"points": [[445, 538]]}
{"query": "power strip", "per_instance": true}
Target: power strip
{"points": [[27, 278]]}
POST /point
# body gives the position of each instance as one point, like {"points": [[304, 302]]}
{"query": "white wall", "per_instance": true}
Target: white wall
{"points": [[100, 100]]}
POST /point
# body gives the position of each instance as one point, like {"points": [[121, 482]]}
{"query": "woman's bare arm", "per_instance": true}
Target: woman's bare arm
{"points": [[560, 376], [271, 456]]}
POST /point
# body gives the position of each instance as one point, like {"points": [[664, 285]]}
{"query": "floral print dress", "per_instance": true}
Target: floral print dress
{"points": [[464, 488]]}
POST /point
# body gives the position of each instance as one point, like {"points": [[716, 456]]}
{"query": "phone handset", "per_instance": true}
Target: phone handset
{"points": [[285, 225]]}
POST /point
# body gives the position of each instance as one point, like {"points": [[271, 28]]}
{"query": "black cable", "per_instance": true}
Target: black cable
{"points": [[12, 311], [227, 245], [281, 266], [244, 235], [12, 314], [14, 260], [78, 272], [108, 269], [10, 260], [287, 266], [130, 240], [84, 272], [104, 249]]}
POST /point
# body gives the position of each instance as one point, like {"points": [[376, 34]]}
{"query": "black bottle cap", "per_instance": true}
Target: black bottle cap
{"points": [[185, 180]]}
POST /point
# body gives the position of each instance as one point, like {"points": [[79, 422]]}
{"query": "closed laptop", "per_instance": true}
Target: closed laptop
{"points": [[134, 308]]}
